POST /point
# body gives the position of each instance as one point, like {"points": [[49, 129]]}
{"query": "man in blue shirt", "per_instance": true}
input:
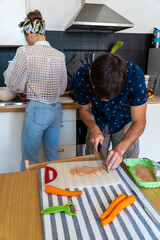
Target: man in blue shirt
{"points": [[116, 91]]}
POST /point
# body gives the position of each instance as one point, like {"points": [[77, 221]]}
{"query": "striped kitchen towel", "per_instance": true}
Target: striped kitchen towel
{"points": [[131, 223]]}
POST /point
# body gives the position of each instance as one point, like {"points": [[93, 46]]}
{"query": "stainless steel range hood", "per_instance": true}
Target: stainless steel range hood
{"points": [[94, 15]]}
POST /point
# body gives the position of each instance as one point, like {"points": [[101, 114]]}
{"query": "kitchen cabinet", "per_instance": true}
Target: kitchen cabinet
{"points": [[10, 141], [67, 139], [11, 129], [11, 124], [149, 140], [12, 12], [56, 13]]}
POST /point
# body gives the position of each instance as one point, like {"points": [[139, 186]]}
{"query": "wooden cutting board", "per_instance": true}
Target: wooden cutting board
{"points": [[65, 179]]}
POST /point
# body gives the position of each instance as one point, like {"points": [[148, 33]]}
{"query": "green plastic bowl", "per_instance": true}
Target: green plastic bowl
{"points": [[131, 162]]}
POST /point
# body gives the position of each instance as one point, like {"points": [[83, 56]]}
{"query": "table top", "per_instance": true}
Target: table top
{"points": [[20, 205], [152, 194]]}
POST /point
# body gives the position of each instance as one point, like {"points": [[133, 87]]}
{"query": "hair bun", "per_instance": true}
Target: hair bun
{"points": [[36, 14]]}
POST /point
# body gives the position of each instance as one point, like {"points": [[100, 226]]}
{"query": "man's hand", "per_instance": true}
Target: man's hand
{"points": [[114, 158], [96, 137], [87, 117]]}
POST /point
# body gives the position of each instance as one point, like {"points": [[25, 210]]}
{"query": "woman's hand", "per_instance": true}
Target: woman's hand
{"points": [[22, 97]]}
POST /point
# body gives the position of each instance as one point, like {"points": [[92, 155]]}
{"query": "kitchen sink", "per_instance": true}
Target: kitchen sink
{"points": [[13, 104], [65, 99]]}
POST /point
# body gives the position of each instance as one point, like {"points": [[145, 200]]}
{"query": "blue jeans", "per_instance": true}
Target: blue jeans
{"points": [[41, 121]]}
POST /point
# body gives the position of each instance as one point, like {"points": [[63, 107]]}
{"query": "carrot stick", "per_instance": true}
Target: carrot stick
{"points": [[120, 206], [58, 191], [112, 205]]}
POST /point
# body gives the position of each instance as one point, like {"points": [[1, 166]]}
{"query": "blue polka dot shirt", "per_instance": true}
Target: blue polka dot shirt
{"points": [[116, 111]]}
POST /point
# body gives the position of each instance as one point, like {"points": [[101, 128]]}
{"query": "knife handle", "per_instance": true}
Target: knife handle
{"points": [[99, 147], [134, 193], [47, 178]]}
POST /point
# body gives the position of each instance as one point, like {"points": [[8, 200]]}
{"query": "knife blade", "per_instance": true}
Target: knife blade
{"points": [[150, 214], [156, 167], [102, 156]]}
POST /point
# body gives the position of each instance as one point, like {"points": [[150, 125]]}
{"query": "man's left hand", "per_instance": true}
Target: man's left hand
{"points": [[114, 158]]}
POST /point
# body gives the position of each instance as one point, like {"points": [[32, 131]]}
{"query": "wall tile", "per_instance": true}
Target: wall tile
{"points": [[135, 48]]}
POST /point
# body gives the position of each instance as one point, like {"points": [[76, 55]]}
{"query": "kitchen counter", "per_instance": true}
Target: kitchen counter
{"points": [[20, 205], [69, 105], [21, 108], [155, 99]]}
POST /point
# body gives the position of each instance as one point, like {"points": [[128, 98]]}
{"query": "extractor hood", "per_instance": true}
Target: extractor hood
{"points": [[96, 16]]}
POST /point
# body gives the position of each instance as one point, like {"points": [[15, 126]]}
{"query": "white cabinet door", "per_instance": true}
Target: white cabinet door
{"points": [[69, 115], [12, 12], [67, 151], [11, 124], [56, 13], [67, 138], [150, 139], [63, 152], [10, 141], [68, 133]]}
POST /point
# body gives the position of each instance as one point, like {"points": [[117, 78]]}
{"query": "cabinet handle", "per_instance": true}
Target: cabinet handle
{"points": [[61, 150]]}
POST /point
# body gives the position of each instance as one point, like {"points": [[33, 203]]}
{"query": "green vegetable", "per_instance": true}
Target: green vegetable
{"points": [[117, 46]]}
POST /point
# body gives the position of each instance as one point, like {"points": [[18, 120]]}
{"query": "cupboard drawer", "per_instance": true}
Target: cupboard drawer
{"points": [[68, 133], [63, 151], [69, 114], [67, 151]]}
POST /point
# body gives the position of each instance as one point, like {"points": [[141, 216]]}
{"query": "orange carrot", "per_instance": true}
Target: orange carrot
{"points": [[58, 191], [120, 206], [112, 205]]}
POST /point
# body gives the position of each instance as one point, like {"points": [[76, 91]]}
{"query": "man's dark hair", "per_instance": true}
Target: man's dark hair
{"points": [[108, 75]]}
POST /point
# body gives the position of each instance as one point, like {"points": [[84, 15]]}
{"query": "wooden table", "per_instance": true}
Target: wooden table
{"points": [[152, 194], [20, 205]]}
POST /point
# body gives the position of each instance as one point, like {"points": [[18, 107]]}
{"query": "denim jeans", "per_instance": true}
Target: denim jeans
{"points": [[42, 121]]}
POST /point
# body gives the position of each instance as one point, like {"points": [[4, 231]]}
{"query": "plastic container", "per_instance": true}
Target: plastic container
{"points": [[157, 38], [131, 162]]}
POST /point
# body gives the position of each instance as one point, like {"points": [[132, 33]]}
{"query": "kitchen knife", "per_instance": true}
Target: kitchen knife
{"points": [[150, 214], [156, 167], [99, 147], [102, 156]]}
